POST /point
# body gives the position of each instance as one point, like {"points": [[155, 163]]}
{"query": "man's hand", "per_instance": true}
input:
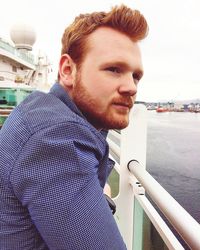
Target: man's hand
{"points": [[107, 190]]}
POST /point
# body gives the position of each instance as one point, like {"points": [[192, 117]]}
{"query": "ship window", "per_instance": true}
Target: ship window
{"points": [[3, 101], [2, 78], [14, 68]]}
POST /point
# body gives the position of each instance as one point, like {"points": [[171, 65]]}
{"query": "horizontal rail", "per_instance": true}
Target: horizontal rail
{"points": [[113, 147], [116, 134], [5, 111], [28, 57], [162, 228], [180, 219]]}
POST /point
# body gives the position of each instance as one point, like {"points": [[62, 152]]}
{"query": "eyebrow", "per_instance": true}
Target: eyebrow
{"points": [[123, 65]]}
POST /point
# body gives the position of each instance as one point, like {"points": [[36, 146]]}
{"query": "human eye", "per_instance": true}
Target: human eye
{"points": [[136, 77], [114, 69]]}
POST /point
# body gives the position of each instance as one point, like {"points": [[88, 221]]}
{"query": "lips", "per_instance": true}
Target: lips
{"points": [[124, 104]]}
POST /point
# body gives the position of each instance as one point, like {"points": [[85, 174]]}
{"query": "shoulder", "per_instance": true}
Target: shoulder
{"points": [[42, 120], [43, 112]]}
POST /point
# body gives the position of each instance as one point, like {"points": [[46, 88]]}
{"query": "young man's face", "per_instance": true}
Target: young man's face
{"points": [[105, 87]]}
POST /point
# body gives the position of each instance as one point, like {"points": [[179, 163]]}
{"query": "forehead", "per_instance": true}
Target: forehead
{"points": [[107, 44]]}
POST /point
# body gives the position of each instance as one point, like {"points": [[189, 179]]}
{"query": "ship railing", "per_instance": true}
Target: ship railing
{"points": [[148, 217], [28, 57]]}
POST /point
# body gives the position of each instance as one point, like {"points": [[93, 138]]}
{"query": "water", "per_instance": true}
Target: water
{"points": [[173, 156]]}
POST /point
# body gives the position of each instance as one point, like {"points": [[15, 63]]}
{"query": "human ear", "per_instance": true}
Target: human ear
{"points": [[66, 71]]}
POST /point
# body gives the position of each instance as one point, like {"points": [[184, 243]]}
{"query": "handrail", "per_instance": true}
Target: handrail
{"points": [[132, 187], [182, 221], [162, 228], [28, 57], [113, 147], [116, 134]]}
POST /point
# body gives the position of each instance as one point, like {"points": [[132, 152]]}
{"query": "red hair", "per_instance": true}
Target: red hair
{"points": [[122, 18]]}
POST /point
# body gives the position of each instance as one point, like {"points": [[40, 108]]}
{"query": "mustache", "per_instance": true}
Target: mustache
{"points": [[124, 101]]}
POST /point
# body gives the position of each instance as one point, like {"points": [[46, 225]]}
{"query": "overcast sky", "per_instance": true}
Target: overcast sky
{"points": [[171, 53]]}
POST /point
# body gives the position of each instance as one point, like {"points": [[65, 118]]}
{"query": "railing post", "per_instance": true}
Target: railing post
{"points": [[133, 146]]}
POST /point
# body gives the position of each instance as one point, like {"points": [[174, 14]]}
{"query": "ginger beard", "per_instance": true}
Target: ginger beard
{"points": [[97, 112]]}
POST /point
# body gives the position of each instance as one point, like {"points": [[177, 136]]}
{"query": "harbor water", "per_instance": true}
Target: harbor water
{"points": [[173, 156], [173, 159]]}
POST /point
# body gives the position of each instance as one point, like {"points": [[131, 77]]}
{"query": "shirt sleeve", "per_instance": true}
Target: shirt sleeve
{"points": [[56, 178]]}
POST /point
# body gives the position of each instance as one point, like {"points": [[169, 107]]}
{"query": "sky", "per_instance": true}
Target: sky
{"points": [[171, 52]]}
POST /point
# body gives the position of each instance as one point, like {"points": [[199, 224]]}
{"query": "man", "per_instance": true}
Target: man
{"points": [[53, 155]]}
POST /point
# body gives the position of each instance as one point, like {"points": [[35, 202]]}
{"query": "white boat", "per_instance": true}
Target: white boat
{"points": [[21, 71]]}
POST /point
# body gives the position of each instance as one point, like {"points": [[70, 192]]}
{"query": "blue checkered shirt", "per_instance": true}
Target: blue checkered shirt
{"points": [[53, 167]]}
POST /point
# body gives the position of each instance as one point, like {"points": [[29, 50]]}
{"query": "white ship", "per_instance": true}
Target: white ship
{"points": [[21, 71]]}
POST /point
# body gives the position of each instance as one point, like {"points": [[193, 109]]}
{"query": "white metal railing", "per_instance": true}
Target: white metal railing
{"points": [[179, 218], [28, 57], [135, 181]]}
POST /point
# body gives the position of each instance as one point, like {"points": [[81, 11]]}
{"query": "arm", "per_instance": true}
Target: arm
{"points": [[58, 183]]}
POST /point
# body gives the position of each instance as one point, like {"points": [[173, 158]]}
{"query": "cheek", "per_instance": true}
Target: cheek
{"points": [[98, 86]]}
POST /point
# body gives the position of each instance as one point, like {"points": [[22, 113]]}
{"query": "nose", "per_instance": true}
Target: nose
{"points": [[128, 86]]}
